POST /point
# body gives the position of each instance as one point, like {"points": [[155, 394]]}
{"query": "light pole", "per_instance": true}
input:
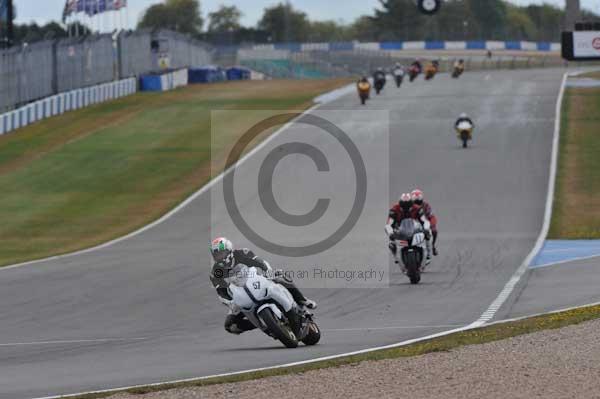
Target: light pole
{"points": [[573, 11], [9, 36]]}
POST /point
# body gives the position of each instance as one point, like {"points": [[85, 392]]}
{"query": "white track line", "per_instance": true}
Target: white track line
{"points": [[303, 362], [404, 343], [516, 277]]}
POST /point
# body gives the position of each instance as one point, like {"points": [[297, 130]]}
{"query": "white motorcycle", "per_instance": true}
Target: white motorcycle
{"points": [[267, 305], [411, 241]]}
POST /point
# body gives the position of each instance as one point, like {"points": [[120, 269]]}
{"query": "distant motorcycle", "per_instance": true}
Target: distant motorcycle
{"points": [[270, 307], [464, 131], [379, 85], [430, 71], [458, 70], [413, 72], [410, 240], [364, 91], [398, 76]]}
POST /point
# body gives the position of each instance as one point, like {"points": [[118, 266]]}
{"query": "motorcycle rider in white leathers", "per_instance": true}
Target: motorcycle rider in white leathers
{"points": [[226, 258]]}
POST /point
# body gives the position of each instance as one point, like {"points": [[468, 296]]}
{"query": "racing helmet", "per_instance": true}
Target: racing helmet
{"points": [[405, 202], [417, 196], [221, 250]]}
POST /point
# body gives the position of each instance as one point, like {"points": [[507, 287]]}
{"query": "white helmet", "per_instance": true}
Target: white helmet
{"points": [[221, 250]]}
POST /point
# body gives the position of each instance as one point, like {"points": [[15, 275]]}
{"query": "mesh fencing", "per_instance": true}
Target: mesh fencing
{"points": [[81, 63], [34, 71], [26, 74]]}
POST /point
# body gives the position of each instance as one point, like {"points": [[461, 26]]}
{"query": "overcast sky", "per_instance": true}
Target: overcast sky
{"points": [[43, 11]]}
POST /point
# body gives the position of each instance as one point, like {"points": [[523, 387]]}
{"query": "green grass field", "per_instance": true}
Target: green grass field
{"points": [[88, 176], [576, 212]]}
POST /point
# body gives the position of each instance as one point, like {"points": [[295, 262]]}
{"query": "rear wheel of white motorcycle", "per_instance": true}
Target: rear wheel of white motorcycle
{"points": [[314, 334], [412, 268], [465, 139], [279, 330]]}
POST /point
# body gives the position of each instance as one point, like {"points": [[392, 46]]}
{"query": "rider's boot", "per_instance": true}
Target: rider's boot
{"points": [[297, 295], [428, 250], [394, 250], [309, 304]]}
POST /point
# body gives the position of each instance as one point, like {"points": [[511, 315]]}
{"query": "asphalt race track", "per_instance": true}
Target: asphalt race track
{"points": [[143, 310]]}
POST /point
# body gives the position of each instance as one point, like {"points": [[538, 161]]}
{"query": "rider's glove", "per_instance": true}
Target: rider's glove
{"points": [[279, 273], [389, 231]]}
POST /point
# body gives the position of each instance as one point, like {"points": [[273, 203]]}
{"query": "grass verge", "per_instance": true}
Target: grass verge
{"points": [[88, 176], [494, 332], [576, 213], [591, 75]]}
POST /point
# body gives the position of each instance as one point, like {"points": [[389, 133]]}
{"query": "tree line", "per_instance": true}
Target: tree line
{"points": [[392, 20]]}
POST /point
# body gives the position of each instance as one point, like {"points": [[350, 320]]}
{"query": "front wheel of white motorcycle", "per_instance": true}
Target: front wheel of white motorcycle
{"points": [[278, 329]]}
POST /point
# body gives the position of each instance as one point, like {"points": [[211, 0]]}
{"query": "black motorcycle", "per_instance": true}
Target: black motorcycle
{"points": [[398, 77], [458, 70], [379, 85]]}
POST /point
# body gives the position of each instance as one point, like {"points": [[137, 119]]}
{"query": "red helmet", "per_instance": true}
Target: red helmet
{"points": [[405, 202], [417, 196]]}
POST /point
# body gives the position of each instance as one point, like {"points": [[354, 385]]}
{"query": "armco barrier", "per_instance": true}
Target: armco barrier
{"points": [[64, 102]]}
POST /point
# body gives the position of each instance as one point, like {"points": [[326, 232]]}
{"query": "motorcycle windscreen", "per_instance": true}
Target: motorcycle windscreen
{"points": [[240, 274], [407, 229]]}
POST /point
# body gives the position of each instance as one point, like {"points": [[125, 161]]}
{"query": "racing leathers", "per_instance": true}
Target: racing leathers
{"points": [[379, 76], [418, 66], [236, 322], [396, 215], [429, 215]]}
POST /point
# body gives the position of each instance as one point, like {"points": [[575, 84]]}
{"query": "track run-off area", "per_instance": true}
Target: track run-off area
{"points": [[142, 310]]}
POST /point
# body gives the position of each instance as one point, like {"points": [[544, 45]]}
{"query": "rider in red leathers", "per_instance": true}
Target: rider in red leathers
{"points": [[405, 209], [417, 197]]}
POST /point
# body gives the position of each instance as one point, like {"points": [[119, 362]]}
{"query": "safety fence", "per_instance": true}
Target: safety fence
{"points": [[366, 61], [324, 64], [35, 71], [68, 101], [418, 45]]}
